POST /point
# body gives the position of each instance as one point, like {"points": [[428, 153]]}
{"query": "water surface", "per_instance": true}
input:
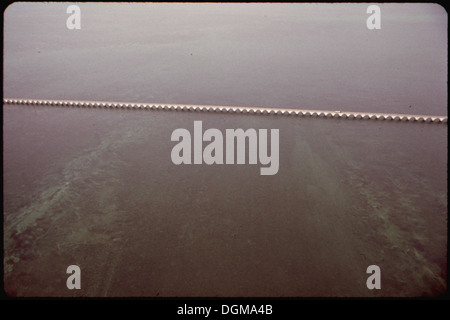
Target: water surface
{"points": [[97, 188]]}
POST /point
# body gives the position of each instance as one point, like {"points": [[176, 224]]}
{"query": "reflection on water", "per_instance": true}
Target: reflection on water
{"points": [[96, 188]]}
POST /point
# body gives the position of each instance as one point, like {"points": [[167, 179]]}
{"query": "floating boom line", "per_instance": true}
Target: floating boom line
{"points": [[337, 114]]}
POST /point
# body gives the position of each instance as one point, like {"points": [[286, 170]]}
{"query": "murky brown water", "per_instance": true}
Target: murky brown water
{"points": [[306, 56], [97, 188]]}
